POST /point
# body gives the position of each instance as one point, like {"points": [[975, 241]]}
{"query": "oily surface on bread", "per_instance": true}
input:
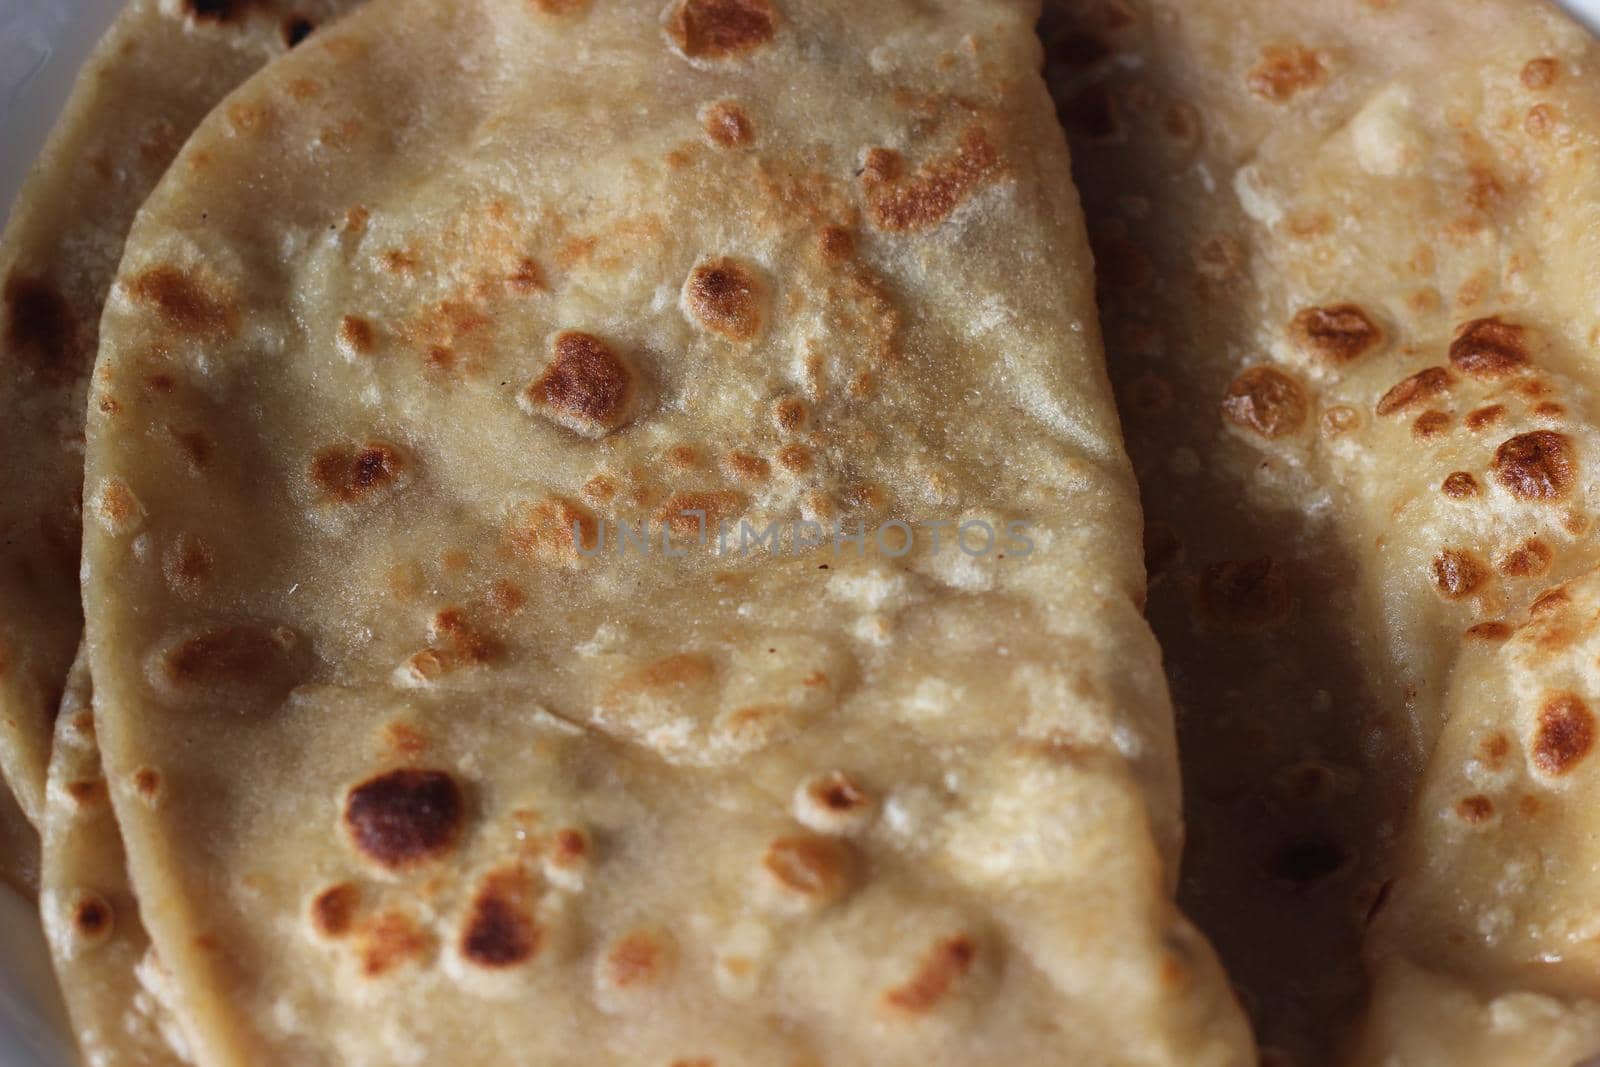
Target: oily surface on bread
{"points": [[409, 763], [1346, 255], [162, 65]]}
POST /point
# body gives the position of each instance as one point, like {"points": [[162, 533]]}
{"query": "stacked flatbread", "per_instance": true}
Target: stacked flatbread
{"points": [[158, 71], [419, 754], [1347, 254], [409, 764]]}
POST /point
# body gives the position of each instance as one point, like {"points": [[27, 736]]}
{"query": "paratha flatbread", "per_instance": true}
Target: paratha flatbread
{"points": [[1345, 252], [162, 65], [410, 766], [117, 993]]}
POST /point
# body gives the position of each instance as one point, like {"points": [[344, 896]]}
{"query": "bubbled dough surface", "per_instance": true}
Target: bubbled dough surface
{"points": [[1346, 253], [323, 550]]}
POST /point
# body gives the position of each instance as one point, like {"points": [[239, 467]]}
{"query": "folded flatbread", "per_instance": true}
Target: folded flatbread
{"points": [[162, 65], [414, 760], [1346, 253]]}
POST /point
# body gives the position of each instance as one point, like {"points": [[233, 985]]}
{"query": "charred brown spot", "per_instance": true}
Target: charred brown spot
{"points": [[816, 869], [1338, 333], [1540, 73], [183, 302], [678, 513], [1494, 749], [349, 474], [506, 598], [587, 387], [85, 792], [935, 977], [684, 457], [92, 917], [527, 277], [404, 739], [1484, 417], [1459, 485], [356, 335], [790, 414], [405, 817], [725, 296], [1551, 410], [1266, 401], [1547, 602], [1475, 809], [599, 489], [457, 638], [333, 911], [796, 458], [1422, 386], [838, 794], [1340, 419], [501, 930], [1489, 348], [720, 29], [553, 529], [1528, 560], [1539, 121], [1283, 71], [187, 565], [836, 244], [1537, 465], [147, 782], [1564, 734], [390, 939], [1458, 574], [636, 959], [569, 847], [1430, 424], [728, 125], [925, 199], [237, 654], [746, 466], [1248, 594], [39, 327]]}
